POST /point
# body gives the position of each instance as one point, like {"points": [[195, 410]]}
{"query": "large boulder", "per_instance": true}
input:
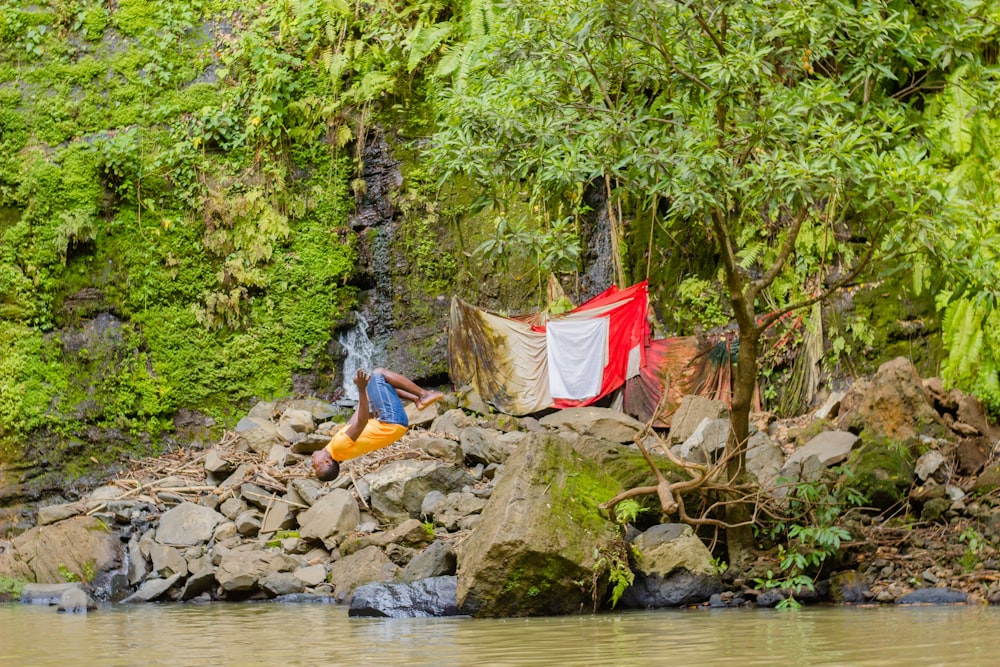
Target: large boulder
{"points": [[603, 423], [536, 539], [364, 567], [893, 405], [331, 518], [823, 450], [881, 470], [692, 411], [673, 568], [427, 597], [82, 547], [398, 488], [188, 524]]}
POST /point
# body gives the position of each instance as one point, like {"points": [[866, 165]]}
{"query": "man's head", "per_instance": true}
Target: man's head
{"points": [[325, 467]]}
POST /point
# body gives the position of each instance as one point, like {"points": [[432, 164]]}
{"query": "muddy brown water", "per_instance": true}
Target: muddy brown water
{"points": [[312, 634]]}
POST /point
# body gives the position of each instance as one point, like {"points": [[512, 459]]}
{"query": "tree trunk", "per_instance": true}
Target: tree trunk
{"points": [[739, 539]]}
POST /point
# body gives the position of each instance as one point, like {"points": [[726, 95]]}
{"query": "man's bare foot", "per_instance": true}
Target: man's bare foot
{"points": [[428, 398]]}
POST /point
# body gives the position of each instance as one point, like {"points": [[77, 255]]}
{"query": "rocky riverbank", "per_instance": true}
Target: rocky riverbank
{"points": [[490, 515]]}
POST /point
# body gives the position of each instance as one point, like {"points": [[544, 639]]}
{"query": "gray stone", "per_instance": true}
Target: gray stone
{"points": [[331, 518], [216, 464], [932, 464], [300, 421], [152, 589], [278, 456], [49, 514], [831, 406], [366, 566], [281, 583], [398, 488], [262, 410], [202, 581], [167, 561], [138, 566], [46, 594], [76, 601], [418, 417], [451, 423], [693, 409], [442, 448], [187, 524], [287, 433], [481, 445], [764, 459], [436, 560], [536, 532], [310, 443], [248, 523], [425, 598], [822, 451], [706, 443], [239, 572], [603, 423], [279, 516], [934, 596], [312, 575]]}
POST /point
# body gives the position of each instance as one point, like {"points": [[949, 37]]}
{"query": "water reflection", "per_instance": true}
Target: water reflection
{"points": [[304, 634]]}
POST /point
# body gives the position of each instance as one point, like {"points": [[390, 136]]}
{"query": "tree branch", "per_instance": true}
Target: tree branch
{"points": [[779, 262]]}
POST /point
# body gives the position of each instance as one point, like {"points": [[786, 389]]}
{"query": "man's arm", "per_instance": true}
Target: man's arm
{"points": [[361, 413]]}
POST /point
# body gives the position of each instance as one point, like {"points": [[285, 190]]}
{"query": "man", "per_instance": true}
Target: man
{"points": [[378, 421]]}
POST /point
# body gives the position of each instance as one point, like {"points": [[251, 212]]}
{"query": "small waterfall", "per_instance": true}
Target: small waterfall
{"points": [[361, 353]]}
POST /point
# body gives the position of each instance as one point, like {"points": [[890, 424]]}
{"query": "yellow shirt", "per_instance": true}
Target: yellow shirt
{"points": [[375, 436]]}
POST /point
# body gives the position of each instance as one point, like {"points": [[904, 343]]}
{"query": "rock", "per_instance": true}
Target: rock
{"points": [[300, 421], [831, 406], [152, 589], [319, 410], [46, 594], [264, 410], [932, 464], [934, 596], [895, 406], [822, 451], [202, 581], [452, 508], [76, 601], [278, 516], [882, 471], [674, 569], [451, 423], [447, 450], [248, 523], [972, 454], [281, 583], [934, 509], [138, 566], [428, 597], [167, 561], [258, 436], [312, 575], [470, 399], [309, 443], [366, 566], [480, 445], [82, 545], [54, 513], [398, 488], [216, 464], [848, 588], [239, 572], [418, 417], [537, 534], [706, 443], [438, 559], [764, 459], [334, 516], [410, 533], [187, 524], [693, 409], [603, 423]]}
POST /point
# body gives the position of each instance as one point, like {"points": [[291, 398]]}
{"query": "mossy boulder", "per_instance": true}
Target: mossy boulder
{"points": [[882, 470], [533, 552]]}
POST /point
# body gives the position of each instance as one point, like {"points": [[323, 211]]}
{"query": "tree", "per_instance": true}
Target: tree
{"points": [[781, 132]]}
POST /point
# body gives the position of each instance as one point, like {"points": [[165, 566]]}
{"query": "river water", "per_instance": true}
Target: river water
{"points": [[315, 634]]}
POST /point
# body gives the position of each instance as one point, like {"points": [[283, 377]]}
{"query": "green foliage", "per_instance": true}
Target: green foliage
{"points": [[11, 588], [974, 543], [808, 536], [627, 511], [613, 561]]}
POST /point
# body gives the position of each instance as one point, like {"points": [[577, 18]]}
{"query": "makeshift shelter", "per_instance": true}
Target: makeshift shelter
{"points": [[526, 364]]}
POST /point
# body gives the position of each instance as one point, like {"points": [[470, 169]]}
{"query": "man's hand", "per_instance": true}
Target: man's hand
{"points": [[361, 380]]}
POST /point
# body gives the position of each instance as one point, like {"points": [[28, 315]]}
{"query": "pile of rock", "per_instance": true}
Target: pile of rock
{"points": [[492, 515]]}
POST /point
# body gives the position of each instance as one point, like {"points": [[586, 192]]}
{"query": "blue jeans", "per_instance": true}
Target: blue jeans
{"points": [[385, 403]]}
